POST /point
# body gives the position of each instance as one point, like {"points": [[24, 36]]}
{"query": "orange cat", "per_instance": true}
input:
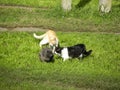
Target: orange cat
{"points": [[48, 38]]}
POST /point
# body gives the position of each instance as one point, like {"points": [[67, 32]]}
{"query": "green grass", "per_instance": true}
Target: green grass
{"points": [[51, 16], [31, 3], [20, 67]]}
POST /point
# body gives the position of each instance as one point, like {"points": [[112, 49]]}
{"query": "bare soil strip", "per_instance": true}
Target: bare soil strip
{"points": [[37, 29], [28, 29], [23, 7]]}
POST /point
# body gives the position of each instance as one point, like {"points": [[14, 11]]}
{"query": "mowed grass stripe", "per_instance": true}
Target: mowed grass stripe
{"points": [[84, 19]]}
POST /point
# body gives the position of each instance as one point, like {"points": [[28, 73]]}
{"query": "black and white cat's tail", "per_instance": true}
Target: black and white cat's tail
{"points": [[87, 53]]}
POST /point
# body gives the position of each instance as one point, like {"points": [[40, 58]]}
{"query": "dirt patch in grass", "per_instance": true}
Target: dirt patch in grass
{"points": [[38, 29], [29, 29], [23, 7]]}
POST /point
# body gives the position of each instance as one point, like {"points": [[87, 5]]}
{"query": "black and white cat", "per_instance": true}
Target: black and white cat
{"points": [[76, 51]]}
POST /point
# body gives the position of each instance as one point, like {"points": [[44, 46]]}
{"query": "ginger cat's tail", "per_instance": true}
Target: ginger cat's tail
{"points": [[38, 37]]}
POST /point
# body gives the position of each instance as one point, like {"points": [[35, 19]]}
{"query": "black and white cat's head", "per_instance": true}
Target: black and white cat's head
{"points": [[58, 50]]}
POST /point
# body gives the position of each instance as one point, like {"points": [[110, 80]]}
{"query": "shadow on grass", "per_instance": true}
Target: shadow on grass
{"points": [[116, 6], [82, 3]]}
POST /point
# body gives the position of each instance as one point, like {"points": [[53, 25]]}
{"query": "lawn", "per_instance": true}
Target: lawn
{"points": [[20, 67]]}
